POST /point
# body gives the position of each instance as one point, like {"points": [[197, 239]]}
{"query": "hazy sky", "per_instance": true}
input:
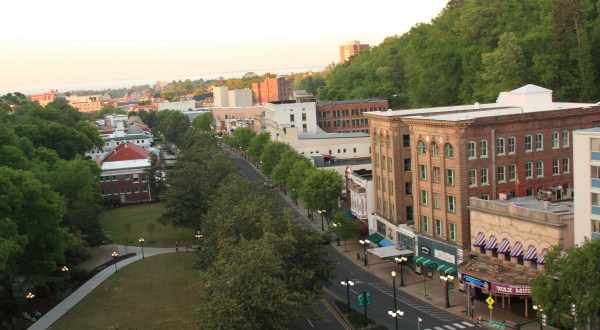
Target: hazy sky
{"points": [[63, 43]]}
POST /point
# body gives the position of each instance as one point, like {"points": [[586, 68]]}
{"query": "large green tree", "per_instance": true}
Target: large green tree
{"points": [[204, 121], [571, 277]]}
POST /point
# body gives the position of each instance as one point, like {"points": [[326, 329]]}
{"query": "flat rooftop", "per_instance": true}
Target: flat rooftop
{"points": [[307, 136], [370, 100], [532, 203]]}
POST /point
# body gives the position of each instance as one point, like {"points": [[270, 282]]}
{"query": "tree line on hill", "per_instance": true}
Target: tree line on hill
{"points": [[475, 49], [49, 195]]}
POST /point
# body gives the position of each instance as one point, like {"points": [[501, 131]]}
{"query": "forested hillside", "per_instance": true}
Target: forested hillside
{"points": [[476, 48]]}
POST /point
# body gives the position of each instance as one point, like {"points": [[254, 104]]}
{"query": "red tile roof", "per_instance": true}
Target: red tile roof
{"points": [[126, 151]]}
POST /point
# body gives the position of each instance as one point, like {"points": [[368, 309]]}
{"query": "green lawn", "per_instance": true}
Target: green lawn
{"points": [[138, 216], [160, 292]]}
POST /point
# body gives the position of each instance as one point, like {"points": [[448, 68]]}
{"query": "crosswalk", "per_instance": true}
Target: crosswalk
{"points": [[453, 326]]}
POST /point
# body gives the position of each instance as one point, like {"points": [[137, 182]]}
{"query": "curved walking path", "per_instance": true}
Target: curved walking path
{"points": [[64, 306]]}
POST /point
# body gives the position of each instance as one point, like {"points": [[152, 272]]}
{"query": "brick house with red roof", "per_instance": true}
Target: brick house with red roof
{"points": [[123, 174]]}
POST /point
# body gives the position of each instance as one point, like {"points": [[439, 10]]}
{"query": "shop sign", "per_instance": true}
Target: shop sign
{"points": [[425, 250], [511, 289], [476, 282], [445, 256]]}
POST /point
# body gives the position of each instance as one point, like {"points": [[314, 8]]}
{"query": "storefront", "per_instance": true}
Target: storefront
{"points": [[435, 258]]}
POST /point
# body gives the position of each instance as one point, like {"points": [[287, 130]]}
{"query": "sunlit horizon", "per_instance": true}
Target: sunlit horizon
{"points": [[69, 45]]}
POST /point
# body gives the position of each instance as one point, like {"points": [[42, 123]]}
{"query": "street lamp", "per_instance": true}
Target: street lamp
{"points": [[322, 226], [65, 270], [30, 296], [337, 226], [115, 255], [395, 303], [396, 314], [539, 309], [364, 244], [447, 278], [294, 195], [401, 261], [198, 235], [141, 240], [348, 283]]}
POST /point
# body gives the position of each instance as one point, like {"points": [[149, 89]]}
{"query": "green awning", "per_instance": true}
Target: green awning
{"points": [[451, 271], [422, 260], [443, 268], [375, 238]]}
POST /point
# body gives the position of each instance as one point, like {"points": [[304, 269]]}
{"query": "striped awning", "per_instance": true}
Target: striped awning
{"points": [[480, 240], [449, 270], [517, 251], [422, 260], [530, 254], [504, 247], [542, 259], [492, 243]]}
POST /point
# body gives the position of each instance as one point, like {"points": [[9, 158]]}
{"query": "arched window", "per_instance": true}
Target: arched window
{"points": [[448, 150], [376, 138], [388, 141], [434, 149], [421, 146]]}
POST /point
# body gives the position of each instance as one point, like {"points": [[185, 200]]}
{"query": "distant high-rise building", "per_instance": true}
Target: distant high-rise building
{"points": [[272, 90], [351, 49]]}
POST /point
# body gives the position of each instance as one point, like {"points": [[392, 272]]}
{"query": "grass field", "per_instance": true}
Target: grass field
{"points": [[139, 216], [160, 292]]}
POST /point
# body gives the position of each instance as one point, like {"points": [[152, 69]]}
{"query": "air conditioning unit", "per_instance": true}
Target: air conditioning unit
{"points": [[504, 196]]}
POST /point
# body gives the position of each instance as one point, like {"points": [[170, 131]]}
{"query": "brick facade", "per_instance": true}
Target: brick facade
{"points": [[347, 116]]}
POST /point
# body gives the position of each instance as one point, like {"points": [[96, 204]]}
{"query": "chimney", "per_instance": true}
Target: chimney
{"points": [[98, 161]]}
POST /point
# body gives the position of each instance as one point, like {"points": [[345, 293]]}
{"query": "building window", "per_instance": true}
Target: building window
{"points": [[512, 172], [555, 166], [391, 186], [425, 223], [565, 165], [501, 174], [136, 190], [406, 140], [452, 231], [539, 167], [383, 161], [408, 188], [484, 176], [528, 143], [409, 213], [436, 174], [128, 190], [127, 176], [539, 141], [439, 228], [450, 178], [390, 163], [388, 143], [512, 144], [378, 182], [377, 160], [303, 117], [436, 201], [485, 197], [434, 149], [448, 150], [145, 189], [424, 197], [421, 146], [291, 118], [451, 204], [422, 172], [407, 164], [471, 153], [565, 139], [483, 149], [528, 170], [555, 141], [500, 146], [472, 177]]}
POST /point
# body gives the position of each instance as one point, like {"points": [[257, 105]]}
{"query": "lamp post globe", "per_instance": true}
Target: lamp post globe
{"points": [[364, 243], [401, 262], [141, 240], [115, 255], [447, 278], [348, 283]]}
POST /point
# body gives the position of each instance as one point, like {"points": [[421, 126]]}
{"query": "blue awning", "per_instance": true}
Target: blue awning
{"points": [[480, 240], [350, 215], [385, 242]]}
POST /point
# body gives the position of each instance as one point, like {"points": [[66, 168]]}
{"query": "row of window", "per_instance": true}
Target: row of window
{"points": [[509, 145], [450, 201], [347, 112], [439, 228], [450, 175], [134, 177], [292, 118], [107, 144], [384, 185], [344, 123], [435, 150], [509, 172], [123, 191]]}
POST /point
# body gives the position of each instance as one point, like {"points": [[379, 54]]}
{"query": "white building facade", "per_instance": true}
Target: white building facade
{"points": [[284, 114], [586, 182]]}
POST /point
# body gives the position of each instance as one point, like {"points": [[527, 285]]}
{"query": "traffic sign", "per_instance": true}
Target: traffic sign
{"points": [[361, 299], [489, 300], [490, 307], [369, 298], [496, 324]]}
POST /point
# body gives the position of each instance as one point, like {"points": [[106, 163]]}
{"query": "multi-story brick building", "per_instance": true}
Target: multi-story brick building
{"points": [[271, 90], [87, 103], [45, 98], [351, 49], [123, 177], [518, 146], [347, 116]]}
